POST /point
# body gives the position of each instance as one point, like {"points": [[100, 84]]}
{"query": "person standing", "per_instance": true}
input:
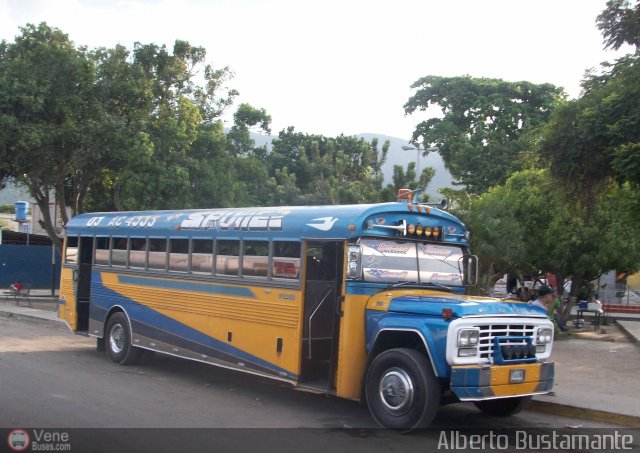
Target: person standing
{"points": [[545, 298]]}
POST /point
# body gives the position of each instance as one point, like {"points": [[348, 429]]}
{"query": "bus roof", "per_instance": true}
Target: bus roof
{"points": [[284, 222]]}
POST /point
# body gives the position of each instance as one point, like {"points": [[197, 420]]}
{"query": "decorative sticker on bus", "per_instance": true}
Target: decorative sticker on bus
{"points": [[288, 269], [386, 274], [435, 252], [391, 248], [325, 223], [442, 277], [253, 220]]}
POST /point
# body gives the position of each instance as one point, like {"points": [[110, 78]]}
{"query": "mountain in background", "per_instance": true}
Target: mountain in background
{"points": [[396, 156]]}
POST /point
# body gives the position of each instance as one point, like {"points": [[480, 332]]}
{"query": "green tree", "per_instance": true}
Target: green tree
{"points": [[245, 118], [407, 180], [344, 169], [484, 129], [45, 82], [177, 108], [620, 24], [115, 140], [528, 225], [114, 129]]}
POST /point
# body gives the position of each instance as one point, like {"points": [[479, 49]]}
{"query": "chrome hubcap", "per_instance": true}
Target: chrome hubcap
{"points": [[116, 338], [396, 390]]}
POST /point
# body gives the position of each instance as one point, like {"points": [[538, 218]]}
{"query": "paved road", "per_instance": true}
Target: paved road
{"points": [[50, 378]]}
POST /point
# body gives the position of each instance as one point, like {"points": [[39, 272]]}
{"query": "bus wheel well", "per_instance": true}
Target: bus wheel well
{"points": [[391, 339], [110, 313], [394, 339]]}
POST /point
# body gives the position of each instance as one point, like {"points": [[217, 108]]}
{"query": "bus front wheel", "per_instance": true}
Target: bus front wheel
{"points": [[118, 340], [402, 390]]}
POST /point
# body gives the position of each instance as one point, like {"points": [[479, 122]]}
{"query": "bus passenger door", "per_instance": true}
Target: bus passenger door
{"points": [[75, 286], [323, 277], [83, 285]]}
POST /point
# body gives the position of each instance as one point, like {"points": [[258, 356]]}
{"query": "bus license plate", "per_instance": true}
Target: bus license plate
{"points": [[516, 376]]}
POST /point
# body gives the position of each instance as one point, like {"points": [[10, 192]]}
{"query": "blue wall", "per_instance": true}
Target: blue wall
{"points": [[29, 264]]}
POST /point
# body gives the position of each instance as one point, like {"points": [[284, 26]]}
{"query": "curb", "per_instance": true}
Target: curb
{"points": [[584, 413], [629, 335]]}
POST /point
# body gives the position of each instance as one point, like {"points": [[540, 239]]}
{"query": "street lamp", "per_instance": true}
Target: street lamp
{"points": [[419, 150]]}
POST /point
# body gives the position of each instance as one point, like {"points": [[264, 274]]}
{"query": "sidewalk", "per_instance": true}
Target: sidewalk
{"points": [[596, 373], [44, 308]]}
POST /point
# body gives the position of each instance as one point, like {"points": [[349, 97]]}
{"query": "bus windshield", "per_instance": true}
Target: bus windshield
{"points": [[389, 261]]}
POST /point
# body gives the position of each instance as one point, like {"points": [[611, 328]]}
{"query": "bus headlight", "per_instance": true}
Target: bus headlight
{"points": [[544, 336], [468, 337]]}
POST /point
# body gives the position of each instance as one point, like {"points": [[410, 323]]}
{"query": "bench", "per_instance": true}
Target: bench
{"points": [[23, 294]]}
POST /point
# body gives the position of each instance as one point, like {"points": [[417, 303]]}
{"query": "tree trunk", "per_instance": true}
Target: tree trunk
{"points": [[42, 200]]}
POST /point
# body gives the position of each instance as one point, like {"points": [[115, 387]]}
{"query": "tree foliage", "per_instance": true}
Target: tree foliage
{"points": [[620, 24], [45, 82], [597, 137], [527, 225], [339, 170], [483, 130]]}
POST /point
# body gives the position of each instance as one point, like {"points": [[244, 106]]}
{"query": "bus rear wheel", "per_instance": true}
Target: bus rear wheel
{"points": [[503, 407], [402, 390], [118, 341]]}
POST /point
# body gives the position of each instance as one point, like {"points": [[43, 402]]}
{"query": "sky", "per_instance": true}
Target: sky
{"points": [[335, 67]]}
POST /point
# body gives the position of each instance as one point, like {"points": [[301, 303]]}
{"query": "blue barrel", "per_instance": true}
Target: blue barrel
{"points": [[22, 208]]}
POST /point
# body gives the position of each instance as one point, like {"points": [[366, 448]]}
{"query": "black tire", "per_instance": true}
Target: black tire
{"points": [[402, 390], [503, 407], [118, 340]]}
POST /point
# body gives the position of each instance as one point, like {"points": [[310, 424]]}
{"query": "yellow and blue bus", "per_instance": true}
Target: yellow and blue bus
{"points": [[365, 302]]}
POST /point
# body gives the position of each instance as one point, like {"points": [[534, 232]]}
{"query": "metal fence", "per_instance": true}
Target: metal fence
{"points": [[620, 296], [29, 264]]}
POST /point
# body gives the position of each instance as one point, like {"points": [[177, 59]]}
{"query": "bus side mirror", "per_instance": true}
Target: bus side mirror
{"points": [[354, 269], [468, 267]]}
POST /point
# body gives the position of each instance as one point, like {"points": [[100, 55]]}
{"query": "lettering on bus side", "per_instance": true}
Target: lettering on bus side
{"points": [[137, 221], [260, 220]]}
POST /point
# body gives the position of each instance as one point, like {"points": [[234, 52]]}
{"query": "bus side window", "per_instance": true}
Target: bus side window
{"points": [[179, 255], [158, 254], [202, 256], [227, 257], [102, 251], [286, 260], [255, 261], [71, 252], [138, 252], [119, 252]]}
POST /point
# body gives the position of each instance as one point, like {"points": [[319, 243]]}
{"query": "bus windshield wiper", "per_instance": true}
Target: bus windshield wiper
{"points": [[416, 285]]}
